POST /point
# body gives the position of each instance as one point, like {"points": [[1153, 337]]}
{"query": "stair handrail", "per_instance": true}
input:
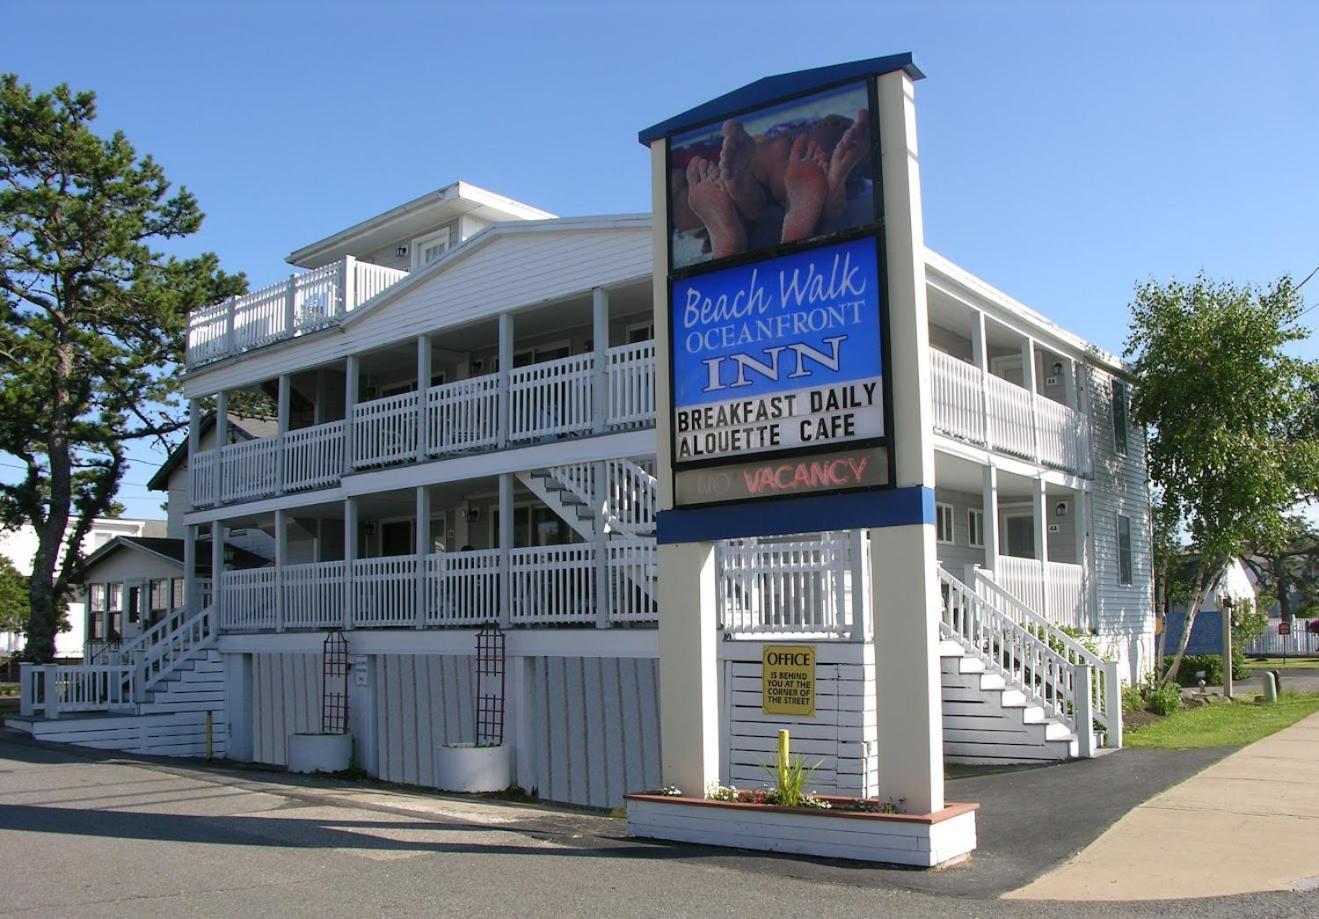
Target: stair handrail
{"points": [[1009, 648], [640, 487], [124, 651], [158, 660], [1107, 704]]}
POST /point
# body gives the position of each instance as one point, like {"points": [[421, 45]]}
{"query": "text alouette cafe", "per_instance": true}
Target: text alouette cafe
{"points": [[796, 400]]}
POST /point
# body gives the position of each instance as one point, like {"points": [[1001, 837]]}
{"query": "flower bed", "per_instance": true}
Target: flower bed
{"points": [[845, 828]]}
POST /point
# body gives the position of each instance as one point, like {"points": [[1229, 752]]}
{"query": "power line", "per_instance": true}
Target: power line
{"points": [[133, 484]]}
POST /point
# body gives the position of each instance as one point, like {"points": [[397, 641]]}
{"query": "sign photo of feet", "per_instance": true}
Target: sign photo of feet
{"points": [[792, 172]]}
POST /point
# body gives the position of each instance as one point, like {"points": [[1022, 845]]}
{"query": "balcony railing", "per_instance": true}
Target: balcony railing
{"points": [[1054, 590], [993, 413], [303, 303], [542, 402]]}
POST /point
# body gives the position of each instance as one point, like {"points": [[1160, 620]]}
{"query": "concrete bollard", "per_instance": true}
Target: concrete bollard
{"points": [[1270, 686]]}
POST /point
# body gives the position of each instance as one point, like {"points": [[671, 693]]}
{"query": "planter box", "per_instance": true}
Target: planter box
{"points": [[467, 767], [320, 752], [923, 840]]}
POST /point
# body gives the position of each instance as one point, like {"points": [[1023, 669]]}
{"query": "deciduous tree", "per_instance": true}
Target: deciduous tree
{"points": [[91, 321]]}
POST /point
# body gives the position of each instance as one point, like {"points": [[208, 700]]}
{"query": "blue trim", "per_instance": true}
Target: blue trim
{"points": [[892, 507], [780, 86]]}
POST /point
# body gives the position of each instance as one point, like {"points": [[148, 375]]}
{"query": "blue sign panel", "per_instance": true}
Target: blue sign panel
{"points": [[783, 354]]}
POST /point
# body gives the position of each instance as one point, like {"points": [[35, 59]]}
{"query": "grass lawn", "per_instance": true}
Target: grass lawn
{"points": [[1222, 723]]}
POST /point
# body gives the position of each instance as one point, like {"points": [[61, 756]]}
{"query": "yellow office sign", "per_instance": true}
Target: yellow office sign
{"points": [[788, 680]]}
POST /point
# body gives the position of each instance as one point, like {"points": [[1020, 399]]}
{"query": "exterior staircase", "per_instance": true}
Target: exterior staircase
{"points": [[161, 693], [1015, 687]]}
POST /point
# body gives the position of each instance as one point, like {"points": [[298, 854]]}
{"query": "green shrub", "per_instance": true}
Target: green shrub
{"points": [[1132, 699], [1211, 664], [1164, 700]]}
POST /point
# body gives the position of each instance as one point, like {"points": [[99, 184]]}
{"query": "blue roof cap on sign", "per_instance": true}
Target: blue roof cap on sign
{"points": [[771, 89]]}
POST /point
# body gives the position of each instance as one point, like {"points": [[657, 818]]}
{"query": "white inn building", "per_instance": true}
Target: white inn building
{"points": [[465, 434]]}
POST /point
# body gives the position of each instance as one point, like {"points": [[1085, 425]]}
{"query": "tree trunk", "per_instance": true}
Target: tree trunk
{"points": [[1282, 588], [1192, 610]]}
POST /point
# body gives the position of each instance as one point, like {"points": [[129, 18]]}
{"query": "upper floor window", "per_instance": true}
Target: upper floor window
{"points": [[426, 249], [1124, 550], [975, 528], [943, 519], [1119, 416]]}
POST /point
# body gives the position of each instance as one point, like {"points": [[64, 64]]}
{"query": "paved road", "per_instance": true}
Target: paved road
{"points": [[92, 835]]}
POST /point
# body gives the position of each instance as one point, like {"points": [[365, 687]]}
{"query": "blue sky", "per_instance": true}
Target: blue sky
{"points": [[1068, 150]]}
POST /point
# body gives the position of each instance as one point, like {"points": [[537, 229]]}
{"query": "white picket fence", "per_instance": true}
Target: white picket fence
{"points": [[808, 585], [551, 398], [51, 690], [1062, 603], [1301, 642]]}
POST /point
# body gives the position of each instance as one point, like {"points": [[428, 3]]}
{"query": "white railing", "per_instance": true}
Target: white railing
{"points": [[796, 586], [247, 600], [201, 478], [462, 588], [300, 304], [630, 501], [1021, 631], [551, 398], [633, 574], [313, 595], [1023, 578], [1011, 417], [553, 584], [250, 469], [958, 395], [161, 654], [1064, 600], [632, 384], [1301, 641], [313, 457], [463, 415], [1064, 436], [385, 590], [52, 689], [385, 430]]}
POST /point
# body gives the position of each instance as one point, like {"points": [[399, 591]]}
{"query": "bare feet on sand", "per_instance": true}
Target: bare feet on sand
{"points": [[806, 180], [735, 169], [709, 198], [851, 149]]}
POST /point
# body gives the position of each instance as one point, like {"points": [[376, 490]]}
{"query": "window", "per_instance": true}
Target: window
{"points": [[176, 593], [426, 249], [639, 332], [943, 520], [1120, 417], [975, 528], [159, 595], [1123, 550]]}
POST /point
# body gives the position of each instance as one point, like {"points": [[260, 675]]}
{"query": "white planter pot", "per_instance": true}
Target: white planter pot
{"points": [[925, 840], [466, 767], [320, 752]]}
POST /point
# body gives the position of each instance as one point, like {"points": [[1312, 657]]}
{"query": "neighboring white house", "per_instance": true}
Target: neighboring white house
{"points": [[20, 545], [466, 434]]}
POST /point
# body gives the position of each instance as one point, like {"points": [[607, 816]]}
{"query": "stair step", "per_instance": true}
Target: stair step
{"points": [[990, 681], [970, 665], [950, 648]]}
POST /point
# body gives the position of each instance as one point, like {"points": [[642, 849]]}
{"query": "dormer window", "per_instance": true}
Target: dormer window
{"points": [[426, 249]]}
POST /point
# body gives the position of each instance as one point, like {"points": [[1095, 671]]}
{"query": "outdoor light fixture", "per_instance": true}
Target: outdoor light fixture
{"points": [[1060, 509], [401, 251], [1057, 367]]}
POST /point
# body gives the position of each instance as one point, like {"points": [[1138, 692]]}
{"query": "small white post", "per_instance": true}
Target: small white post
{"points": [[989, 516], [351, 383], [1040, 504], [1113, 704], [190, 603], [860, 565], [600, 341], [281, 559], [217, 573], [599, 501], [1028, 379], [221, 440], [1084, 711], [1225, 618], [27, 688], [348, 287], [423, 393], [505, 549], [505, 371], [284, 409], [229, 325], [291, 306], [349, 561], [423, 548], [980, 354], [51, 694]]}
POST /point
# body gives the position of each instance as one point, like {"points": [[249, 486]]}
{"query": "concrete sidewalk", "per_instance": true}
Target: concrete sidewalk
{"points": [[1249, 823]]}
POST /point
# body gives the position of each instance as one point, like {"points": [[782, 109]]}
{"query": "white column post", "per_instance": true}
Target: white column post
{"points": [[989, 510], [281, 559], [1081, 525], [1028, 379], [1069, 384], [1040, 506], [291, 306], [600, 340], [599, 501], [285, 404], [349, 558], [860, 573], [352, 372], [217, 574], [194, 429], [903, 558], [980, 353], [190, 603], [221, 440], [423, 389], [505, 548], [423, 533], [229, 325], [348, 287], [505, 370], [1085, 712]]}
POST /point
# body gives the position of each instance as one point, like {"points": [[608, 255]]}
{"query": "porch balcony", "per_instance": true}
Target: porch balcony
{"points": [[977, 407], [567, 397], [304, 303]]}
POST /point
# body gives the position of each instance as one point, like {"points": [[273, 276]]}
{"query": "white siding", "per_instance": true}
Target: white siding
{"points": [[422, 701], [286, 699]]}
